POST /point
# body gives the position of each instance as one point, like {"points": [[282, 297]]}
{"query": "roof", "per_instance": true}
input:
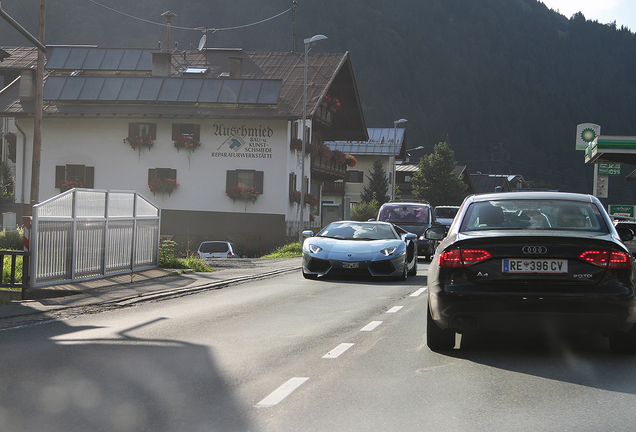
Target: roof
{"points": [[612, 149], [381, 142], [77, 77], [485, 183]]}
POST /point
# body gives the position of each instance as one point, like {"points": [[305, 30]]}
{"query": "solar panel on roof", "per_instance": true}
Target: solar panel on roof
{"points": [[75, 59], [170, 90], [110, 90], [94, 59], [57, 58], [190, 90], [72, 88], [269, 92], [230, 91], [53, 88], [150, 89], [130, 59], [91, 89], [130, 89], [210, 91], [112, 59], [249, 91]]}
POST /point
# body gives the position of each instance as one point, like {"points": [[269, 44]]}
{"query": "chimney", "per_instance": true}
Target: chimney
{"points": [[27, 85], [236, 67], [161, 63]]}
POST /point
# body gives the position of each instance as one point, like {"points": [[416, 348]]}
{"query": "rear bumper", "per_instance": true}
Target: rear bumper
{"points": [[600, 314]]}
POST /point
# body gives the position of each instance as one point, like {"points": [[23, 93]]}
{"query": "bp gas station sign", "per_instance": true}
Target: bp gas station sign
{"points": [[606, 169]]}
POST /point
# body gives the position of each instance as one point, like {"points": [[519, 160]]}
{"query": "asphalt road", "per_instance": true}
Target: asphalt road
{"points": [[289, 354]]}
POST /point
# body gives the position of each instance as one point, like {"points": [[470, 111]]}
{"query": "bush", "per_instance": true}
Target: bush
{"points": [[6, 269], [12, 239], [168, 259], [365, 211], [288, 251]]}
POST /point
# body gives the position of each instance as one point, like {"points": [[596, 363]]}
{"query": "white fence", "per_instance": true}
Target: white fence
{"points": [[86, 234]]}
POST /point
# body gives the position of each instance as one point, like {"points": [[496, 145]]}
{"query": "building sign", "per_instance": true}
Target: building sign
{"points": [[621, 210], [243, 141], [585, 134]]}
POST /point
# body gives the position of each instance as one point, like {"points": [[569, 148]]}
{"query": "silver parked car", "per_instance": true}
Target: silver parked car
{"points": [[217, 249]]}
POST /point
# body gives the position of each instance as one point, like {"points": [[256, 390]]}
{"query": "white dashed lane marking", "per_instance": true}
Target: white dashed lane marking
{"points": [[335, 353], [394, 309], [418, 292], [371, 326], [282, 392]]}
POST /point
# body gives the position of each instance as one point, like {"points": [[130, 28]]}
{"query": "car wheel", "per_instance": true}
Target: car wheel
{"points": [[436, 338], [623, 342], [309, 275], [413, 272]]}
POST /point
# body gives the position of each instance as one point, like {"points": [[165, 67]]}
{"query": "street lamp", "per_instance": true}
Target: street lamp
{"points": [[408, 155], [395, 123], [301, 225]]}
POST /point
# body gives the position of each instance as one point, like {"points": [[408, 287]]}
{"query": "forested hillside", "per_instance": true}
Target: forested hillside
{"points": [[506, 81]]}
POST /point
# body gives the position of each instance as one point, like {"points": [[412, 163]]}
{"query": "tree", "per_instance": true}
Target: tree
{"points": [[365, 210], [378, 186], [435, 181]]}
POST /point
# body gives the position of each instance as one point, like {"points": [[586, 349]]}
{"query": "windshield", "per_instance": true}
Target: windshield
{"points": [[405, 213], [534, 214], [446, 212], [213, 247], [358, 231]]}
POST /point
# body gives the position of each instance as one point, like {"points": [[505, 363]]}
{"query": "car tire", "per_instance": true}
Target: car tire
{"points": [[309, 275], [623, 342], [436, 338], [404, 275], [413, 272]]}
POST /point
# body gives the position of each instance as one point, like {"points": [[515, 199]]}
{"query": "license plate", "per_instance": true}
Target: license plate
{"points": [[350, 265], [535, 266]]}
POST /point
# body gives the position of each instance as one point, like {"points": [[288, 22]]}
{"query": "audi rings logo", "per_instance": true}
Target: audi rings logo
{"points": [[534, 250]]}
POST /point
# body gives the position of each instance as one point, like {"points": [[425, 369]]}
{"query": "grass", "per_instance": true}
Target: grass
{"points": [[168, 259], [288, 251]]}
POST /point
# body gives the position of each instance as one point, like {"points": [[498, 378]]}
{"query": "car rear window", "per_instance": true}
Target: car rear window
{"points": [[213, 247], [406, 213], [534, 214], [446, 212]]}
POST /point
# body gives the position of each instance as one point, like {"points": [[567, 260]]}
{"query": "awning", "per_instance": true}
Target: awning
{"points": [[612, 149]]}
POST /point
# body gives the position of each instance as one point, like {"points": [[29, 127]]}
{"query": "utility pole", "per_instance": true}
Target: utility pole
{"points": [[37, 115]]}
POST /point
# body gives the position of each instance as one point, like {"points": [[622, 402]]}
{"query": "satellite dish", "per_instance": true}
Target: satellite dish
{"points": [[202, 43]]}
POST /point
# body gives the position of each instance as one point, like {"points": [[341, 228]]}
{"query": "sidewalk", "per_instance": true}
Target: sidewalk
{"points": [[151, 284]]}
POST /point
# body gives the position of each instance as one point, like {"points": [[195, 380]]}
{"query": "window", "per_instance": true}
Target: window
{"points": [[244, 178], [141, 129], [292, 182], [162, 173], [188, 129], [355, 176], [80, 174]]}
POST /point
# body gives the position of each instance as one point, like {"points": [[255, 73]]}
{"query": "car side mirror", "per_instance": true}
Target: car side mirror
{"points": [[410, 236], [308, 233], [435, 233], [625, 234]]}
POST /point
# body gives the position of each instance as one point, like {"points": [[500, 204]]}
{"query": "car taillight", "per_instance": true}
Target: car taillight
{"points": [[229, 254], [197, 255], [463, 257], [612, 259]]}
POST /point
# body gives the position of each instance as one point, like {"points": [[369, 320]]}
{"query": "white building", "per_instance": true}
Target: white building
{"points": [[243, 108]]}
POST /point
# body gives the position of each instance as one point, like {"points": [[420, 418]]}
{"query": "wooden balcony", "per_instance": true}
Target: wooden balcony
{"points": [[327, 169], [333, 187]]}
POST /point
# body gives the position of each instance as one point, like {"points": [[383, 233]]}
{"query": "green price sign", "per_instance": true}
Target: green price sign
{"points": [[621, 210], [609, 169]]}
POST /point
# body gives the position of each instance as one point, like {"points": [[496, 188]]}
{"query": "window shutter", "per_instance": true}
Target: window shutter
{"points": [[196, 131], [153, 131], [230, 179], [173, 174], [60, 175], [292, 182], [152, 174], [258, 181], [176, 130], [132, 129], [89, 177]]}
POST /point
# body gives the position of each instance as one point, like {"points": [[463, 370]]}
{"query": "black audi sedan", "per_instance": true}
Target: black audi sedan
{"points": [[541, 261]]}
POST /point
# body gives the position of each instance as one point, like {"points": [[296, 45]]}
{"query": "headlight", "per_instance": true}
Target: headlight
{"points": [[388, 251], [314, 249]]}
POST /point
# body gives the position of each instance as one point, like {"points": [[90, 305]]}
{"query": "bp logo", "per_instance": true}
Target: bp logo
{"points": [[588, 135]]}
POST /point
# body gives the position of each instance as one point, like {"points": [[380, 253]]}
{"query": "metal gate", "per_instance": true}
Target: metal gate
{"points": [[86, 234]]}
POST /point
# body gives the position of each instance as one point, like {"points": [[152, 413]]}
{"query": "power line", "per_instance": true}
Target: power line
{"points": [[189, 28]]}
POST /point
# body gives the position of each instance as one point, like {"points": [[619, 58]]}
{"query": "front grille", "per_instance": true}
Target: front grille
{"points": [[318, 265], [382, 267]]}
